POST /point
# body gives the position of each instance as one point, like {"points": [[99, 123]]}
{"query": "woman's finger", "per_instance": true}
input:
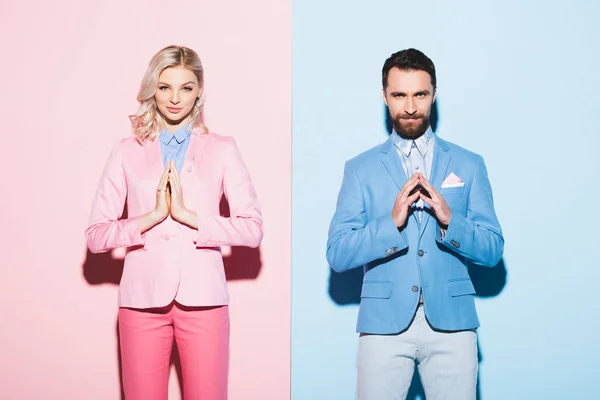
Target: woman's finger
{"points": [[162, 184]]}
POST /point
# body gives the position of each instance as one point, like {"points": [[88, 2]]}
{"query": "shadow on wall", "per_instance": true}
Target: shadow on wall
{"points": [[345, 288], [243, 263]]}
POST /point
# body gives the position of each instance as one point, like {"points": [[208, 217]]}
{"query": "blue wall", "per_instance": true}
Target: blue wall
{"points": [[518, 84]]}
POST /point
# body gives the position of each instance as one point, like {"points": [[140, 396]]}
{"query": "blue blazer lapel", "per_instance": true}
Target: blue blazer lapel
{"points": [[441, 160], [392, 163]]}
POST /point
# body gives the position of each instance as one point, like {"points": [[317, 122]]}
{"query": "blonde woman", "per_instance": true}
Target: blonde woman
{"points": [[172, 174]]}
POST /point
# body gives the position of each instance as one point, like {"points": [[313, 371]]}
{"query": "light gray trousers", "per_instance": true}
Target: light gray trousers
{"points": [[447, 363]]}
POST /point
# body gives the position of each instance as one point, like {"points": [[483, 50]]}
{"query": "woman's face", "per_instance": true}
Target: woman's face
{"points": [[177, 93]]}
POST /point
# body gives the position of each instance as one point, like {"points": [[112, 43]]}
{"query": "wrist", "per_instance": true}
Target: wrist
{"points": [[444, 224], [156, 217], [180, 214], [395, 219], [187, 216]]}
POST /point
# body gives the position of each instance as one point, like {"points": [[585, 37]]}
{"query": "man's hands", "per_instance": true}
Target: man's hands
{"points": [[404, 201], [430, 195], [436, 202]]}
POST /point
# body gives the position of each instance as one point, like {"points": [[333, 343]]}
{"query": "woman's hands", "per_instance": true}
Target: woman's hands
{"points": [[163, 204], [177, 209], [169, 201], [163, 196]]}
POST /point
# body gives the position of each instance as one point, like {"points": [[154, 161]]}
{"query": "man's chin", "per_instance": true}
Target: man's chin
{"points": [[411, 130], [410, 133]]}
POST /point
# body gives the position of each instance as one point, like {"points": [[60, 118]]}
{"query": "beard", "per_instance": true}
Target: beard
{"points": [[412, 130]]}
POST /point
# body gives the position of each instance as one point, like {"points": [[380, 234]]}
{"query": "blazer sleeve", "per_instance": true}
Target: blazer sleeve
{"points": [[245, 226], [353, 240], [476, 236], [106, 230]]}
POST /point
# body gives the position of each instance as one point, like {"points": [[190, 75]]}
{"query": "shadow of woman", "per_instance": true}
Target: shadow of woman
{"points": [[242, 263]]}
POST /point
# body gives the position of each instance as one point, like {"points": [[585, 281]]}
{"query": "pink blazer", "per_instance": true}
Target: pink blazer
{"points": [[171, 260]]}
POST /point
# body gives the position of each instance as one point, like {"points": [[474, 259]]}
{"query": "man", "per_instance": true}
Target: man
{"points": [[413, 212]]}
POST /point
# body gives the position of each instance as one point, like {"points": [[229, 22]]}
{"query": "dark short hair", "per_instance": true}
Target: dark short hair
{"points": [[408, 60]]}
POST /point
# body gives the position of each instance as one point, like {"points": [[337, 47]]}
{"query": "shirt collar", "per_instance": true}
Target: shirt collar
{"points": [[180, 135], [422, 143]]}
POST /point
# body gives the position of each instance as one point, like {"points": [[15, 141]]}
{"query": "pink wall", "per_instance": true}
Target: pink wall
{"points": [[70, 72]]}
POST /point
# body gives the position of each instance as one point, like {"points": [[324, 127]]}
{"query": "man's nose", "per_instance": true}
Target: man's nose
{"points": [[410, 107]]}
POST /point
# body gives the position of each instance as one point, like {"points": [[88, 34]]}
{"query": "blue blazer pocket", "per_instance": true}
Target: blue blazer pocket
{"points": [[462, 287], [452, 190], [376, 290]]}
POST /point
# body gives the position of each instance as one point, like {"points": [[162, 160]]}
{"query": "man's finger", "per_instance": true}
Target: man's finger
{"points": [[429, 187], [412, 198], [409, 186], [432, 203]]}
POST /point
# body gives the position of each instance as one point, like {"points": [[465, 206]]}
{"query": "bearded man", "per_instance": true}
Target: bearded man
{"points": [[413, 212]]}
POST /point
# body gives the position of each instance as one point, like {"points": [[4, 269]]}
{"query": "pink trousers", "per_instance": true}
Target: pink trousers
{"points": [[202, 338]]}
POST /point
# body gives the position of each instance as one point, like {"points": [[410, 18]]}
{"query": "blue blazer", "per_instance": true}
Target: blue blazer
{"points": [[397, 263]]}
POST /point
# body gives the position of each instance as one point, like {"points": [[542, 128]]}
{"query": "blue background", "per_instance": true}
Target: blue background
{"points": [[518, 84]]}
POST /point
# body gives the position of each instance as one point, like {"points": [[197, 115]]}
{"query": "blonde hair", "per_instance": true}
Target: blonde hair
{"points": [[148, 122]]}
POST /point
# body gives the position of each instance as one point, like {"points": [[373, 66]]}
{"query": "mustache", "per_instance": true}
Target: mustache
{"points": [[416, 116]]}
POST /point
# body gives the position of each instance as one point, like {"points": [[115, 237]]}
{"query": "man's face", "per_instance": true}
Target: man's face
{"points": [[409, 96]]}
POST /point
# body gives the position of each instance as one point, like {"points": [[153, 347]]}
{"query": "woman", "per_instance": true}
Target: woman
{"points": [[172, 174]]}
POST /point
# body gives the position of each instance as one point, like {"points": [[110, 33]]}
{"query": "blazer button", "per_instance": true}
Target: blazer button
{"points": [[415, 289], [421, 253]]}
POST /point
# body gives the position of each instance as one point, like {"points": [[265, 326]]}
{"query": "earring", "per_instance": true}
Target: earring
{"points": [[197, 102]]}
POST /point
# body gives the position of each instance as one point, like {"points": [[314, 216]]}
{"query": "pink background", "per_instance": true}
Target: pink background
{"points": [[70, 72]]}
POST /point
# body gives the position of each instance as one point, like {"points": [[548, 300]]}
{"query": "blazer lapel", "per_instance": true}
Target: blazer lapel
{"points": [[392, 163], [155, 166], [193, 156], [441, 159]]}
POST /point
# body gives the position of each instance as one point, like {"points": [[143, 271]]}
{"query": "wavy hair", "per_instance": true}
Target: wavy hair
{"points": [[148, 122]]}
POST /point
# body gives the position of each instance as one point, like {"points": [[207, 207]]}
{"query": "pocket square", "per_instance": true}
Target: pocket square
{"points": [[452, 181]]}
